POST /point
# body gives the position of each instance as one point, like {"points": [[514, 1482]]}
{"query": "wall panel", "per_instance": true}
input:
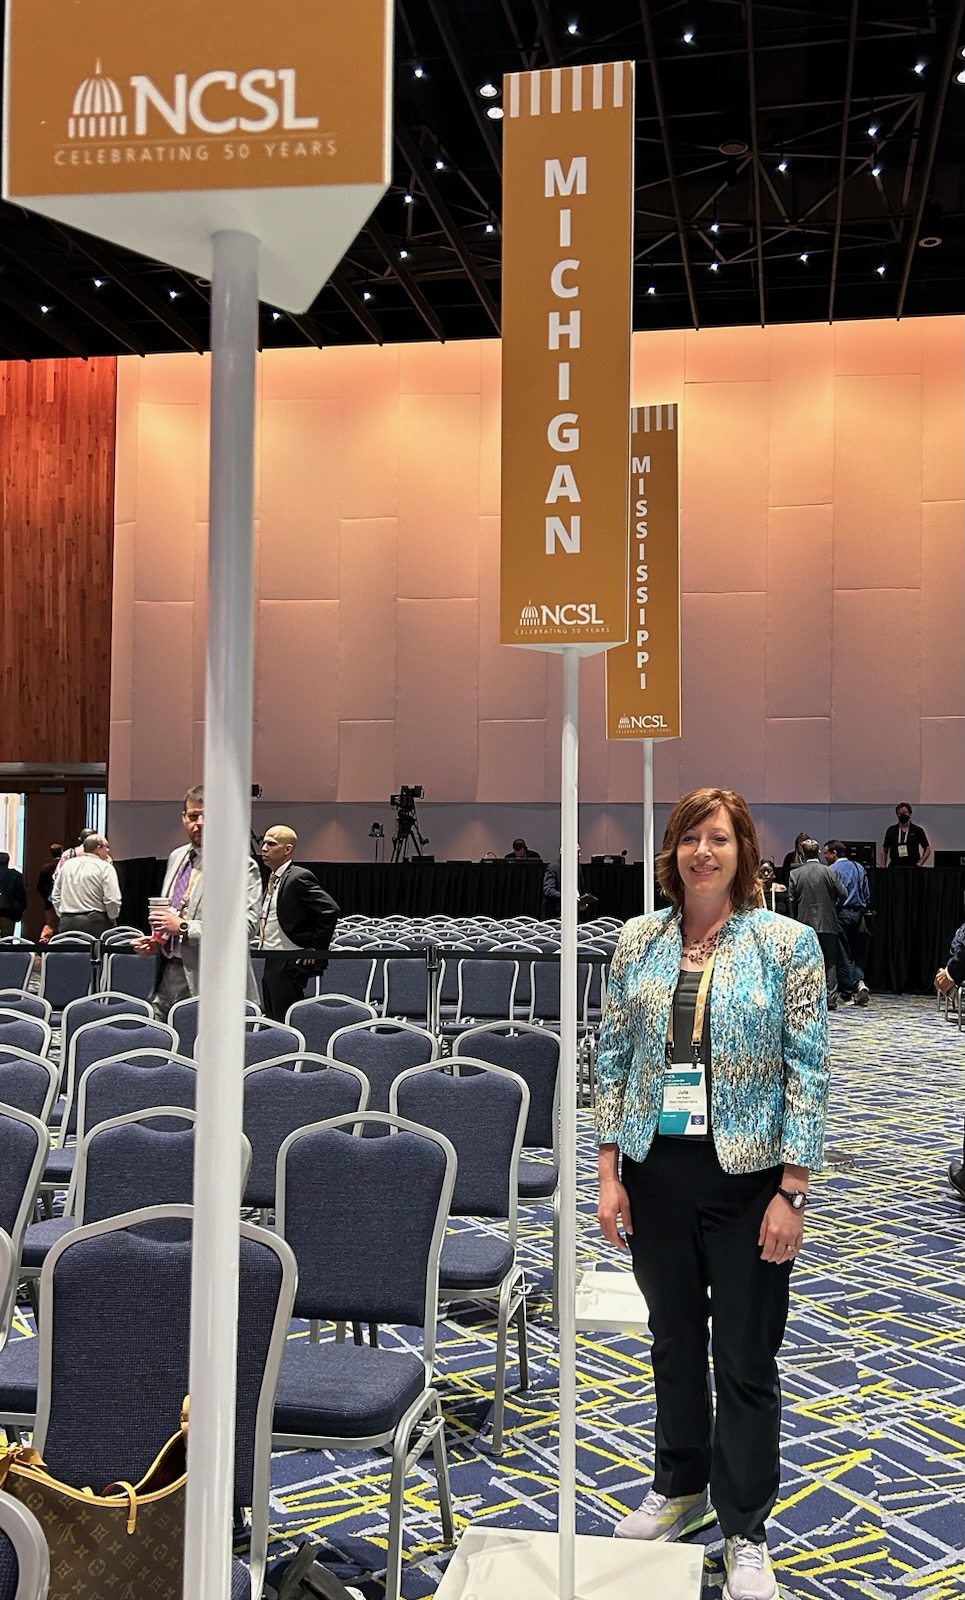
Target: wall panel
{"points": [[56, 546], [824, 650]]}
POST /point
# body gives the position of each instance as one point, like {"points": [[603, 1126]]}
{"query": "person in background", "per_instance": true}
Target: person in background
{"points": [[815, 892], [905, 844], [947, 979], [73, 852], [296, 914], [86, 894], [792, 859], [774, 893], [176, 930], [552, 893], [13, 896], [712, 1086], [851, 984], [521, 852], [45, 888]]}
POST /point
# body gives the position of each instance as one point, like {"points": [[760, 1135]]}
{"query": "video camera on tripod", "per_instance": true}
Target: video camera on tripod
{"points": [[407, 836]]}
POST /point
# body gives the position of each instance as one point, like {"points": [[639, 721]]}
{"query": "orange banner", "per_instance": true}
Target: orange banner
{"points": [[109, 97], [567, 260], [643, 676]]}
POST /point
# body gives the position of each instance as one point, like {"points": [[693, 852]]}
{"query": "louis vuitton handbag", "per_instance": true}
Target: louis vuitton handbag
{"points": [[127, 1543]]}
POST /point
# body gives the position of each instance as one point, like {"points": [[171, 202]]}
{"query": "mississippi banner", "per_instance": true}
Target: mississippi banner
{"points": [[567, 258], [643, 676]]}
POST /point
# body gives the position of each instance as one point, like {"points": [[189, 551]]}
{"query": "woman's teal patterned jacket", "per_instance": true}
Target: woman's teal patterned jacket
{"points": [[768, 1040]]}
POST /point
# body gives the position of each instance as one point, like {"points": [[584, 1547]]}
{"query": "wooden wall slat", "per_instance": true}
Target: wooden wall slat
{"points": [[57, 425]]}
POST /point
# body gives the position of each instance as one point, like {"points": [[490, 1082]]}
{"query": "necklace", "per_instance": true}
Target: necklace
{"points": [[700, 950]]}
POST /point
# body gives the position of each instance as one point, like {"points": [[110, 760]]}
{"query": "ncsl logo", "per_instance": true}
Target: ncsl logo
{"points": [[653, 724], [575, 615], [98, 110]]}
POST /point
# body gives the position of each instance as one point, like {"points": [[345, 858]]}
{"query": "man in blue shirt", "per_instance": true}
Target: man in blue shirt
{"points": [[852, 874]]}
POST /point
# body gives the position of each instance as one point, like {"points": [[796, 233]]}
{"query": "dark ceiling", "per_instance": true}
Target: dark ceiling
{"points": [[793, 163]]}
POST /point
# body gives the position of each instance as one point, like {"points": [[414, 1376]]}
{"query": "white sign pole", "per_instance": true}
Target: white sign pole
{"points": [[224, 950], [649, 892], [569, 890]]}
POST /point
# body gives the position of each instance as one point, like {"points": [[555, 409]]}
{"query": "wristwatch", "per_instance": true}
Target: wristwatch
{"points": [[796, 1198], [183, 929]]}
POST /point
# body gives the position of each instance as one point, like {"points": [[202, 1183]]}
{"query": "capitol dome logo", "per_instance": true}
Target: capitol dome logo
{"points": [[98, 110], [625, 725], [529, 617]]}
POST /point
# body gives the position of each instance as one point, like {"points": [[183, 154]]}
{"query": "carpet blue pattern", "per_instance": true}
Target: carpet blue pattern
{"points": [[872, 1503]]}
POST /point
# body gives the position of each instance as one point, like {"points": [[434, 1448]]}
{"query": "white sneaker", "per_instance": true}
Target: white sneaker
{"points": [[663, 1519], [749, 1574]]}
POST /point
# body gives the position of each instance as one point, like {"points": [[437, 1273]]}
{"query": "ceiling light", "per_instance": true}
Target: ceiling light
{"points": [[440, 164], [45, 309], [98, 283], [418, 72], [929, 241], [919, 67], [714, 266], [652, 289], [488, 91], [715, 227], [688, 38], [876, 172], [403, 255], [733, 147], [408, 199], [490, 227], [366, 295], [173, 294], [804, 255], [496, 112], [572, 27], [873, 131], [881, 271], [960, 77], [782, 166], [276, 316]]}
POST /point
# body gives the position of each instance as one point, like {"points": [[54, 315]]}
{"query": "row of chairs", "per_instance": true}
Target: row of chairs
{"points": [[395, 1270]]}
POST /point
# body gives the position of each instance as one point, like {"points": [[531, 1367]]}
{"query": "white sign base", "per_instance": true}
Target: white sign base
{"points": [[610, 1302], [494, 1563]]}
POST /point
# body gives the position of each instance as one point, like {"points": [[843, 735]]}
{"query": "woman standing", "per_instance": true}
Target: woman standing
{"points": [[712, 1090]]}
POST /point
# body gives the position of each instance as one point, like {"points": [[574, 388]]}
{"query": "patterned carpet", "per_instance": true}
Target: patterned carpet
{"points": [[873, 1486]]}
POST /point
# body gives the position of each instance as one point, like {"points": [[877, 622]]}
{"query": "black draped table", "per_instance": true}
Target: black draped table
{"points": [[917, 909]]}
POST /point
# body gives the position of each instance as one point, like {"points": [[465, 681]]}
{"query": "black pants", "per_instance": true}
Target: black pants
{"points": [[695, 1228], [284, 982], [95, 922], [829, 950]]}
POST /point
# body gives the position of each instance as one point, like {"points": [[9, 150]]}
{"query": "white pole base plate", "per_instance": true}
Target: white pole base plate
{"points": [[608, 1301], [496, 1564]]}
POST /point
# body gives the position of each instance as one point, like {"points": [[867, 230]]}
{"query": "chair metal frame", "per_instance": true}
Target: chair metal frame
{"points": [[425, 1412], [525, 1200], [510, 1292], [25, 1210], [9, 995], [20, 1526], [261, 1464], [24, 1016], [71, 1087], [50, 1067]]}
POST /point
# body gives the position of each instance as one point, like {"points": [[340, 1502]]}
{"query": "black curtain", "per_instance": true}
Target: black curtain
{"points": [[917, 910]]}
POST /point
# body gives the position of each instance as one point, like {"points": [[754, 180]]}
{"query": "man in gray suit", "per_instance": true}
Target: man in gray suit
{"points": [[815, 892], [176, 928]]}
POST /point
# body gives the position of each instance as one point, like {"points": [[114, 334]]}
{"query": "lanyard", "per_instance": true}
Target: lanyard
{"points": [[700, 1007]]}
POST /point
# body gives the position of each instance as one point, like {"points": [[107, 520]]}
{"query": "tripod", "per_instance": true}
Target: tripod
{"points": [[407, 837]]}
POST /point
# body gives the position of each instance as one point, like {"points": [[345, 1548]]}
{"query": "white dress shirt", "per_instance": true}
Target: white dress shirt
{"points": [[87, 884], [273, 936]]}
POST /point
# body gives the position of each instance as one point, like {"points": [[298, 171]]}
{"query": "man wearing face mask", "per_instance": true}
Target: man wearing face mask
{"points": [[905, 844]]}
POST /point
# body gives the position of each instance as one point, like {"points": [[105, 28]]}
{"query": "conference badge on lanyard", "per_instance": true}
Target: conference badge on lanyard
{"points": [[684, 1110]]}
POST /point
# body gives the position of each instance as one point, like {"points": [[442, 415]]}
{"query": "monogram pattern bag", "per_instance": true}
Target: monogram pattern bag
{"points": [[127, 1543]]}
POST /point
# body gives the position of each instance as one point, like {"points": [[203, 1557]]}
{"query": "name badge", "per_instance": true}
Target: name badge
{"points": [[902, 850], [684, 1108]]}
